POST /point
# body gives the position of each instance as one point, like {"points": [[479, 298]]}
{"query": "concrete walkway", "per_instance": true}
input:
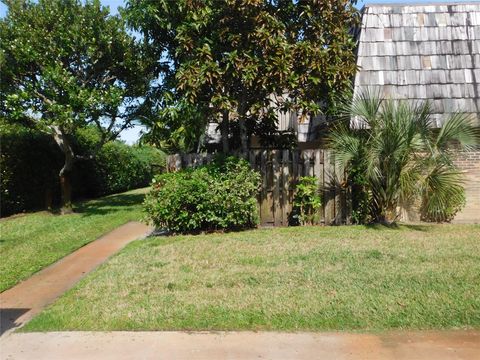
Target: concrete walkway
{"points": [[20, 303], [241, 345]]}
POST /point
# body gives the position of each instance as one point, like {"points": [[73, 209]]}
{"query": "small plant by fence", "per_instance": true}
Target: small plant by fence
{"points": [[280, 171]]}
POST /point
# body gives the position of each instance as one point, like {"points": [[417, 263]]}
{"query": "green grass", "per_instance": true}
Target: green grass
{"points": [[311, 278], [33, 241]]}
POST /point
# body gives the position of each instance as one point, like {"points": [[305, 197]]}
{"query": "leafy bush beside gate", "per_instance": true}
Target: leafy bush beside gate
{"points": [[221, 195], [307, 201]]}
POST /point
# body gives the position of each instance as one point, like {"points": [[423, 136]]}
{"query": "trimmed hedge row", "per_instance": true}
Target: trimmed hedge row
{"points": [[30, 162]]}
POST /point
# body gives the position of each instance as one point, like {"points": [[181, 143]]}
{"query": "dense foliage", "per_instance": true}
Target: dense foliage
{"points": [[240, 62], [396, 159], [118, 167], [29, 164], [66, 64], [221, 195], [30, 161], [307, 201]]}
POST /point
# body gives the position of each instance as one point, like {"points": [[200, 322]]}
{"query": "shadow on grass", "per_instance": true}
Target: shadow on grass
{"points": [[108, 204], [396, 226], [417, 227]]}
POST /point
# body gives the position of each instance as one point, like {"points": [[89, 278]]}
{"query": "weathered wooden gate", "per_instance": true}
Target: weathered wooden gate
{"points": [[280, 171]]}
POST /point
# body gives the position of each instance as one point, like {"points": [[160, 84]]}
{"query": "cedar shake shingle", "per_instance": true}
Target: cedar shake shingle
{"points": [[422, 52]]}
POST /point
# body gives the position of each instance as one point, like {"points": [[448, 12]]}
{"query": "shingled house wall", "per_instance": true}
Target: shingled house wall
{"points": [[427, 52], [422, 52]]}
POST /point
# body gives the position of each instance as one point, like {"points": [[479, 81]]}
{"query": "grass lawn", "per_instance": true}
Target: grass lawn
{"points": [[311, 278], [32, 241]]}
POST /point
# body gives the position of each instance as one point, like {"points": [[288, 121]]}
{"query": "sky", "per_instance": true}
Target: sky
{"points": [[130, 136]]}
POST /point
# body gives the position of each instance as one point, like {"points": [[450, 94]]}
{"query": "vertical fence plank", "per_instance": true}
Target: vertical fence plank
{"points": [[329, 193], [295, 167], [348, 201], [322, 182], [285, 186], [254, 163], [338, 194], [318, 173], [306, 162], [251, 159], [266, 207], [277, 208]]}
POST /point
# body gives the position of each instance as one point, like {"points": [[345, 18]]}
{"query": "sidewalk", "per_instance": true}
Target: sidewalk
{"points": [[21, 302], [432, 345]]}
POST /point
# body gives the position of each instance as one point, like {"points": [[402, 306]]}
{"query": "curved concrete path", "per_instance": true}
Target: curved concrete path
{"points": [[21, 302], [461, 345]]}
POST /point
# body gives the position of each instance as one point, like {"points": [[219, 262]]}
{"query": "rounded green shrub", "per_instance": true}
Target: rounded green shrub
{"points": [[221, 195]]}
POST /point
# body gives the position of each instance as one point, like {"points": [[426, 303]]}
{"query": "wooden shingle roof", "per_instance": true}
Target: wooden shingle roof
{"points": [[422, 52]]}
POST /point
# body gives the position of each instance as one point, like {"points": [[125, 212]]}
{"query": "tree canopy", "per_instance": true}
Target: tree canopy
{"points": [[68, 64], [243, 60]]}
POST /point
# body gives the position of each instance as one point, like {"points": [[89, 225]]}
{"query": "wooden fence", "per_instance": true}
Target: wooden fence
{"points": [[280, 171]]}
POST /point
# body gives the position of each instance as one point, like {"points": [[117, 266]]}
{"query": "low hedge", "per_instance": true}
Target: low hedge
{"points": [[221, 195], [30, 162], [116, 168]]}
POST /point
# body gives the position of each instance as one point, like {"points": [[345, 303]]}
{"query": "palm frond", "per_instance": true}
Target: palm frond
{"points": [[346, 144], [365, 107], [401, 159], [443, 192], [457, 128]]}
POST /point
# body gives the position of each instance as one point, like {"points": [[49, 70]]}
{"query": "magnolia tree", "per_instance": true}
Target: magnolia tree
{"points": [[68, 64], [238, 60]]}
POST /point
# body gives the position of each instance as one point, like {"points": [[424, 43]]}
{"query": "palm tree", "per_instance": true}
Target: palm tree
{"points": [[397, 157]]}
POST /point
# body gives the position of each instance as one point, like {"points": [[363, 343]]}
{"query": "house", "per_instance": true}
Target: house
{"points": [[422, 52], [427, 52], [418, 52]]}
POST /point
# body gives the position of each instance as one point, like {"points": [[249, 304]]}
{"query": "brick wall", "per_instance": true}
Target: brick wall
{"points": [[469, 163]]}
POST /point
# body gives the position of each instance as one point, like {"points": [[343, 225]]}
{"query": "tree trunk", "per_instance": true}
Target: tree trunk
{"points": [[66, 207], [242, 114], [66, 189], [387, 216], [224, 132], [243, 135], [48, 198]]}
